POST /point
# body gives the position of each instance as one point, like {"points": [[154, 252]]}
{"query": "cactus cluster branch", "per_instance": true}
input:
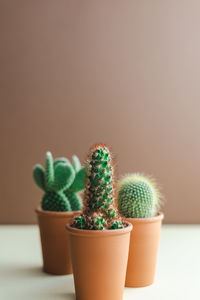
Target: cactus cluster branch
{"points": [[61, 181]]}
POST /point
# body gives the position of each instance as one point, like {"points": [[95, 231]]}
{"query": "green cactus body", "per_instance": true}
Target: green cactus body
{"points": [[53, 201], [99, 212], [74, 199], [61, 183], [138, 197], [49, 171]]}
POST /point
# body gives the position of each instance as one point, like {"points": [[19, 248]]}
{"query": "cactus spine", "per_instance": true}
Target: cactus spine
{"points": [[138, 196], [61, 183], [99, 212]]}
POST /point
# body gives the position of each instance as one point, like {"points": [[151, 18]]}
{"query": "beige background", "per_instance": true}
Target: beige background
{"points": [[122, 72]]}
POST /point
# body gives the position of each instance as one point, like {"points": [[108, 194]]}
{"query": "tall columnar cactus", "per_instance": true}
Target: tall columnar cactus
{"points": [[61, 183], [138, 196], [99, 212]]}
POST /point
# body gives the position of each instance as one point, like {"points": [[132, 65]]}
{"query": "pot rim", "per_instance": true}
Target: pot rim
{"points": [[58, 214], [158, 217], [99, 233]]}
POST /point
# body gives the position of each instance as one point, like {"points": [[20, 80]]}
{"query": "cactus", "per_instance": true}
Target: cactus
{"points": [[99, 212], [61, 183], [138, 196]]}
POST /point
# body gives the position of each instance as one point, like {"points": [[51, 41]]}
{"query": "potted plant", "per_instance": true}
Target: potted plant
{"points": [[99, 238], [61, 182], [138, 201]]}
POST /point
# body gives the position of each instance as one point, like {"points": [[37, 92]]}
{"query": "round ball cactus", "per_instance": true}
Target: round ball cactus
{"points": [[99, 212], [138, 196]]}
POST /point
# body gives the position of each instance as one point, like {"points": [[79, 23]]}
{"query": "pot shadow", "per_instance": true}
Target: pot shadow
{"points": [[22, 272], [68, 296], [36, 282]]}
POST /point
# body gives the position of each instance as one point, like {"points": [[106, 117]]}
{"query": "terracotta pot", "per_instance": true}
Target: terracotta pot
{"points": [[55, 244], [99, 260], [144, 242]]}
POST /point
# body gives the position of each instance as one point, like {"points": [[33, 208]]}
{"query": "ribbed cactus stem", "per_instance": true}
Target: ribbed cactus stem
{"points": [[99, 212], [55, 202]]}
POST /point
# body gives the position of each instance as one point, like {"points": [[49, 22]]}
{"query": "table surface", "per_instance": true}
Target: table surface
{"points": [[21, 276]]}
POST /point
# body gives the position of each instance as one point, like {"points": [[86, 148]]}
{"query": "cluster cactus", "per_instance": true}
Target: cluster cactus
{"points": [[61, 181], [138, 196], [99, 212]]}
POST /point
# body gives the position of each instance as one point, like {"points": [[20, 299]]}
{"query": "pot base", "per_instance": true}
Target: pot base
{"points": [[139, 285]]}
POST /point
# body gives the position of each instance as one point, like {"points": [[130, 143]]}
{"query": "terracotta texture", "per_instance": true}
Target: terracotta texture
{"points": [[99, 260], [144, 242], [55, 245]]}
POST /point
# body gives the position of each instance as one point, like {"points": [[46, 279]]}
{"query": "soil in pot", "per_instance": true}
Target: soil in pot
{"points": [[99, 260]]}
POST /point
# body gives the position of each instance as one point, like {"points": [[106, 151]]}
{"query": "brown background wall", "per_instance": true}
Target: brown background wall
{"points": [[123, 72]]}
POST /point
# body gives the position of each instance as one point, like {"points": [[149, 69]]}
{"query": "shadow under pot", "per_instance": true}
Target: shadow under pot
{"points": [[144, 243], [54, 241], [99, 260]]}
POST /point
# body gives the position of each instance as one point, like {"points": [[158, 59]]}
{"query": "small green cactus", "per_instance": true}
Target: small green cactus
{"points": [[138, 196], [99, 212], [61, 183]]}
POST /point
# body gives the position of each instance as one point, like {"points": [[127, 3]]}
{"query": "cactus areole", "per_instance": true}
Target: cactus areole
{"points": [[99, 212]]}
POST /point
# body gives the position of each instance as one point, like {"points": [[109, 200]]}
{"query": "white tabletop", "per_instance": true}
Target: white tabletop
{"points": [[21, 276]]}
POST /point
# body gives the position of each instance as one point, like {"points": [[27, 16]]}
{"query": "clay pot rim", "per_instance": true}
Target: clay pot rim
{"points": [[99, 233], [160, 216], [57, 214]]}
